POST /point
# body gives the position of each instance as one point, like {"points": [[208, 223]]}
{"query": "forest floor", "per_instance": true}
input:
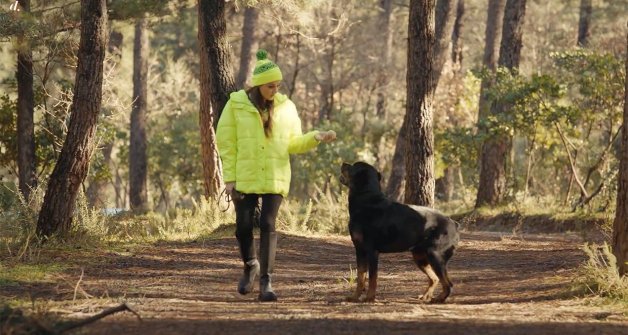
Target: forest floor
{"points": [[504, 283]]}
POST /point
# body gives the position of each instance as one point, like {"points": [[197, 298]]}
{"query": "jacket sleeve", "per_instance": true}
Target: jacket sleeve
{"points": [[227, 142], [300, 143]]}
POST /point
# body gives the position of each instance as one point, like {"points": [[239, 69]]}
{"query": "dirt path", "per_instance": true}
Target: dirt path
{"points": [[503, 285]]}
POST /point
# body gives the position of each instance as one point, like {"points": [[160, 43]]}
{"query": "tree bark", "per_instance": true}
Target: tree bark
{"points": [[456, 38], [114, 47], [327, 90], [444, 186], [385, 57], [295, 73], [419, 157], [97, 185], [492, 35], [216, 81], [620, 225], [443, 19], [26, 158], [512, 34], [396, 181], [138, 159], [248, 44], [585, 20], [496, 149], [71, 168], [94, 192]]}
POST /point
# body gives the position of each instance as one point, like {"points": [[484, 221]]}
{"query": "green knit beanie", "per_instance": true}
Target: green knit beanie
{"points": [[265, 70]]}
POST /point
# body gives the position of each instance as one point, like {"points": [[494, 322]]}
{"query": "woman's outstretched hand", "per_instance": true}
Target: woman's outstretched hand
{"points": [[326, 136]]}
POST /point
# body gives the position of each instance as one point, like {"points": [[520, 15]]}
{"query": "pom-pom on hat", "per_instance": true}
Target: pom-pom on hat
{"points": [[265, 70]]}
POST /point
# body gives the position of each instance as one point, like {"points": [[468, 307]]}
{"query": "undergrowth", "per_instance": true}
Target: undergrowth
{"points": [[22, 260], [599, 274]]}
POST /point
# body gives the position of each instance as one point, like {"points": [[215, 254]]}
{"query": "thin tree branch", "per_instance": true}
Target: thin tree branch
{"points": [[571, 162], [602, 157]]}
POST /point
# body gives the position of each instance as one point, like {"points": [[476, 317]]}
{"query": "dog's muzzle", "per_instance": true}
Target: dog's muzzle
{"points": [[343, 180]]}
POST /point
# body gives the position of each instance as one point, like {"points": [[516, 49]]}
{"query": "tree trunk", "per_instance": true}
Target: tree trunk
{"points": [[383, 78], [95, 189], [327, 91], [295, 73], [620, 225], [512, 34], [496, 149], [492, 35], [71, 168], [277, 43], [385, 57], [138, 160], [26, 159], [216, 81], [114, 47], [445, 19], [248, 44], [419, 156], [444, 186], [396, 181], [398, 173], [456, 38], [585, 20]]}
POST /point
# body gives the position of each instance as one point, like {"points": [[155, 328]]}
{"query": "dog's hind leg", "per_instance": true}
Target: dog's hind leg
{"points": [[439, 264], [361, 279], [420, 258]]}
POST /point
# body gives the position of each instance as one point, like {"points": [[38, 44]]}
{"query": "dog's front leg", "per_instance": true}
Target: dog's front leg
{"points": [[373, 260], [361, 279]]}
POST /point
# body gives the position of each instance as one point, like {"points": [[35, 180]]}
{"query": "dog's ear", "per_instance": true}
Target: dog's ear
{"points": [[345, 166], [379, 176]]}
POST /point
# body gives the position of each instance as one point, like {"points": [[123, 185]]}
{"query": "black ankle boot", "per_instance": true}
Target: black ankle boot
{"points": [[267, 249], [244, 235], [251, 271], [266, 290]]}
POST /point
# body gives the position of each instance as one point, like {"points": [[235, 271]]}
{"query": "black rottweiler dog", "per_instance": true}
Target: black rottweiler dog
{"points": [[378, 224]]}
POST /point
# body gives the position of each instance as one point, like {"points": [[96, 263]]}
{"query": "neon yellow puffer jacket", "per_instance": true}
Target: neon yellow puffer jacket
{"points": [[258, 164]]}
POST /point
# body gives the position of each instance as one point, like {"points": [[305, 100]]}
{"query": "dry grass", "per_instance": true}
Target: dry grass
{"points": [[599, 275]]}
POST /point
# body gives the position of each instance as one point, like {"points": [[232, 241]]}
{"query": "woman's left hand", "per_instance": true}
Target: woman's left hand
{"points": [[326, 136]]}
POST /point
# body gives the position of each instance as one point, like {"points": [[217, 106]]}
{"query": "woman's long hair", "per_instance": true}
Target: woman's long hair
{"points": [[262, 106]]}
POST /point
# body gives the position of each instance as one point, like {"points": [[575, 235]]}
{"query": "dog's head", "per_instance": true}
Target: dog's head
{"points": [[360, 176]]}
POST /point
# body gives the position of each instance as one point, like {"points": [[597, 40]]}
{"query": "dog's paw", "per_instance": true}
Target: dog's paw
{"points": [[425, 297], [353, 298], [438, 300], [369, 299]]}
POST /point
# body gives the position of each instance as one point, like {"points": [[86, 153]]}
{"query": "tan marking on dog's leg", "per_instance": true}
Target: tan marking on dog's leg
{"points": [[360, 286], [370, 294], [432, 281], [446, 285]]}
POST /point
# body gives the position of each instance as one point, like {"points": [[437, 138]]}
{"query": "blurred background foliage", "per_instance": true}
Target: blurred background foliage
{"points": [[330, 53]]}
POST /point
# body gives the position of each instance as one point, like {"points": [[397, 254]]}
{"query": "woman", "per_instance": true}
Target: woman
{"points": [[258, 129]]}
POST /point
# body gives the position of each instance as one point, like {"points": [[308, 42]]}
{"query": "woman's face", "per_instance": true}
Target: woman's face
{"points": [[269, 90]]}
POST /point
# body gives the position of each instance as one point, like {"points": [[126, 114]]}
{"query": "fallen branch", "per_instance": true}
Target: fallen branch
{"points": [[81, 323], [77, 286]]}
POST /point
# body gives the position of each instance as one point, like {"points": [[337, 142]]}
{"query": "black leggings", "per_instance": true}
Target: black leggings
{"points": [[245, 210]]}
